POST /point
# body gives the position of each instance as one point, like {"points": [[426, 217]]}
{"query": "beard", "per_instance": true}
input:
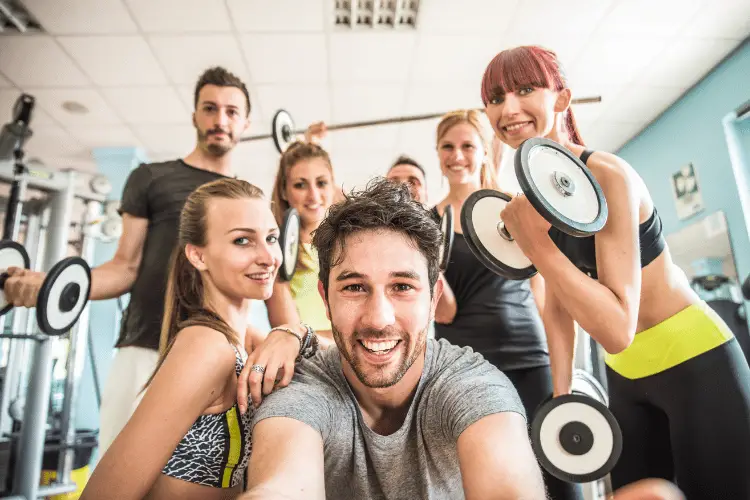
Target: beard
{"points": [[380, 377], [213, 148]]}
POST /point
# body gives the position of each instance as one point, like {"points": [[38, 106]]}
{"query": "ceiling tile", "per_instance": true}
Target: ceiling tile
{"points": [[100, 113], [52, 140], [276, 16], [104, 60], [731, 21], [82, 17], [180, 16], [179, 139], [106, 136], [306, 103], [371, 57], [467, 16], [686, 61], [641, 103], [37, 61], [441, 98], [187, 95], [552, 17], [4, 84], [288, 58], [453, 58], [355, 103], [148, 105], [649, 18], [186, 57], [615, 60], [592, 111], [567, 47], [8, 100]]}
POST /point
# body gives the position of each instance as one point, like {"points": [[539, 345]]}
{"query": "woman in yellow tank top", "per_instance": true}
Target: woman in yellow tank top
{"points": [[304, 182]]}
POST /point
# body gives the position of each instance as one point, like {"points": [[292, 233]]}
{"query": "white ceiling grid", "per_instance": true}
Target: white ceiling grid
{"points": [[133, 64]]}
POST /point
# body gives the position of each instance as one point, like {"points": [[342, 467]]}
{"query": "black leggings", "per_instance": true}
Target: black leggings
{"points": [[689, 424], [534, 385]]}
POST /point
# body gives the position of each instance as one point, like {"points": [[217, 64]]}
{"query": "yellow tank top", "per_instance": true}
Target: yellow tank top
{"points": [[304, 287]]}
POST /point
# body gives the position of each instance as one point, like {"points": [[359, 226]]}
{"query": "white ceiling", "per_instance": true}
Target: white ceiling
{"points": [[133, 64]]}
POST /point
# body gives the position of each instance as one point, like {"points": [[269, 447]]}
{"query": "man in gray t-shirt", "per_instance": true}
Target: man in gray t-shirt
{"points": [[389, 414]]}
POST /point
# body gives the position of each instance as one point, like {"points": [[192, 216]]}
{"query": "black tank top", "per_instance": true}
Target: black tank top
{"points": [[582, 251], [496, 317]]}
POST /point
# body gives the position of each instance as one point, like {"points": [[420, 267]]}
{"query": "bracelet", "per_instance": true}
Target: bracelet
{"points": [[311, 343], [289, 330]]}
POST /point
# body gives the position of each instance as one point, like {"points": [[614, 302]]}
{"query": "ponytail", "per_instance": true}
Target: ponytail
{"points": [[570, 125]]}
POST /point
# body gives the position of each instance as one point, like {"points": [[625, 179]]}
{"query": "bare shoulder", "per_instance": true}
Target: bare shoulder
{"points": [[609, 168], [204, 343]]}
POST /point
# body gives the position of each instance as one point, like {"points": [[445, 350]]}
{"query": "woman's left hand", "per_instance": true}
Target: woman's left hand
{"points": [[528, 228], [277, 356]]}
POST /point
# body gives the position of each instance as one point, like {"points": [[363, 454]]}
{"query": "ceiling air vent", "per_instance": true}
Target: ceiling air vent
{"points": [[15, 19], [376, 14]]}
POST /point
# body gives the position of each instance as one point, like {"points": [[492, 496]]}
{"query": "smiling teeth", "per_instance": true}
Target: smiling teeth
{"points": [[379, 346], [516, 126], [260, 276]]}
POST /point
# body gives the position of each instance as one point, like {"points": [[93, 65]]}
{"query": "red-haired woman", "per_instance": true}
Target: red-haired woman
{"points": [[679, 384]]}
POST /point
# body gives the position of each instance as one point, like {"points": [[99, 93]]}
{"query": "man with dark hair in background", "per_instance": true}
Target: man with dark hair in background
{"points": [[406, 169], [151, 203]]}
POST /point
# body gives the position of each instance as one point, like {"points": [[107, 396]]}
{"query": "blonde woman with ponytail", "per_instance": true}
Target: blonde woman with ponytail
{"points": [[189, 438]]}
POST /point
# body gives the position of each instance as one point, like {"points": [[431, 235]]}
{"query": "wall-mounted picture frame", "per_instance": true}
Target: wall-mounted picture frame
{"points": [[687, 192]]}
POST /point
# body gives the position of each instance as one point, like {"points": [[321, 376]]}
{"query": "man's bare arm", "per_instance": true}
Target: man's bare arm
{"points": [[286, 463], [497, 462], [117, 276]]}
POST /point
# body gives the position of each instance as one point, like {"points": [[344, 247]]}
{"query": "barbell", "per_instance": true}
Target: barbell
{"points": [[283, 131]]}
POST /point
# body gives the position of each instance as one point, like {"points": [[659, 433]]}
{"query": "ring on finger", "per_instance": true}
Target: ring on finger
{"points": [[258, 368]]}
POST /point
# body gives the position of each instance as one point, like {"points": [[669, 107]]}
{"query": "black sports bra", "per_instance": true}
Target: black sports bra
{"points": [[582, 251]]}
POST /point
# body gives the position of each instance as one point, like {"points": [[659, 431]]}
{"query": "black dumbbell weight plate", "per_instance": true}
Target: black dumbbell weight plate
{"points": [[289, 241], [446, 228], [560, 187], [490, 244], [12, 254], [283, 130], [576, 438], [63, 295]]}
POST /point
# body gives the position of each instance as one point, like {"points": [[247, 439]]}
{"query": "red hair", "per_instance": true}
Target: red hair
{"points": [[526, 66]]}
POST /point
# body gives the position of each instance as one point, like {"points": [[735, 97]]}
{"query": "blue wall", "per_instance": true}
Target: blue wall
{"points": [[692, 131]]}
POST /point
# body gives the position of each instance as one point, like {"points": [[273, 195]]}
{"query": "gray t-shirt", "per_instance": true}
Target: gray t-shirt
{"points": [[420, 460]]}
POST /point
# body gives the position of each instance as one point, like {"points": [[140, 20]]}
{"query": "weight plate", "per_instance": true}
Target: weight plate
{"points": [[283, 130], [446, 227], [63, 295], [481, 225], [289, 241], [586, 384], [576, 438], [12, 254], [560, 187]]}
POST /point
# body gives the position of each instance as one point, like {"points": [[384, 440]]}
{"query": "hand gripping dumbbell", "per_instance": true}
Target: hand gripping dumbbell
{"points": [[63, 294], [557, 184]]}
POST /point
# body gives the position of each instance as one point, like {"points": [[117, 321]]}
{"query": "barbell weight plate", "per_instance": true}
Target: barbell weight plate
{"points": [[446, 228], [283, 130], [576, 438], [585, 383], [560, 187], [289, 242], [480, 223], [12, 254], [63, 295]]}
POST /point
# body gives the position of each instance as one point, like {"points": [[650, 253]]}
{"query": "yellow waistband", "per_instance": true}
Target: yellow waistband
{"points": [[685, 335]]}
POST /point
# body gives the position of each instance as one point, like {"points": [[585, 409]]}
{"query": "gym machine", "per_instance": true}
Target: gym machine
{"points": [[40, 210]]}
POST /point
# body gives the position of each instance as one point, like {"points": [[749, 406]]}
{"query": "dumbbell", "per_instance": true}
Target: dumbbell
{"points": [[557, 184], [289, 242], [63, 294], [446, 229], [574, 436], [746, 288]]}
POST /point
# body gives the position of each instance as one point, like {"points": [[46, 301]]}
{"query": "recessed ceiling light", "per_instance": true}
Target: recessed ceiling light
{"points": [[75, 107]]}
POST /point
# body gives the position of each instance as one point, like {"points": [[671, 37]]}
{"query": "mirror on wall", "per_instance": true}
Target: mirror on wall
{"points": [[703, 250]]}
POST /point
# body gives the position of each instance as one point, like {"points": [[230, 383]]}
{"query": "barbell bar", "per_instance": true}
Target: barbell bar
{"points": [[283, 129]]}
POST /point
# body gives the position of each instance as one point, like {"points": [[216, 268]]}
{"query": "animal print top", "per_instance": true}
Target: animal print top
{"points": [[216, 450]]}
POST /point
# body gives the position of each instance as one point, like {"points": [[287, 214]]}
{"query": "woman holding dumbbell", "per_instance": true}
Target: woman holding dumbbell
{"points": [[679, 385], [497, 317], [189, 436], [304, 182]]}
